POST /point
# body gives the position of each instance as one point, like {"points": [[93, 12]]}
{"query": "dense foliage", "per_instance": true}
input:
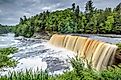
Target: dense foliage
{"points": [[72, 20], [4, 29], [6, 61], [78, 73]]}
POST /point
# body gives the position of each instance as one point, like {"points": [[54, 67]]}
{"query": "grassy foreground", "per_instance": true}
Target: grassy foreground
{"points": [[6, 61], [78, 73]]}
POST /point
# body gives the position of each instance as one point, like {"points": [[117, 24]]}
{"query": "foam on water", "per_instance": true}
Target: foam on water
{"points": [[37, 55], [36, 63], [34, 53], [31, 63]]}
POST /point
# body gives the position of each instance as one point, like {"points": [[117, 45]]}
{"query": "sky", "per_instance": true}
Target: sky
{"points": [[12, 10]]}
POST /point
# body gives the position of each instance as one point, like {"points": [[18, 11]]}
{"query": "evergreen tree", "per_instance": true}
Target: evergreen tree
{"points": [[73, 7], [77, 11], [89, 7], [21, 20], [25, 19], [118, 7]]}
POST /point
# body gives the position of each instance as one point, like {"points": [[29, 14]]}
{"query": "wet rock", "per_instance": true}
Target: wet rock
{"points": [[55, 64], [42, 35]]}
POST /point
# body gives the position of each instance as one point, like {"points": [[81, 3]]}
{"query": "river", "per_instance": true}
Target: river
{"points": [[38, 54]]}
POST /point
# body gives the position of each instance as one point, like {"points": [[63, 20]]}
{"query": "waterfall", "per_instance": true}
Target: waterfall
{"points": [[99, 53]]}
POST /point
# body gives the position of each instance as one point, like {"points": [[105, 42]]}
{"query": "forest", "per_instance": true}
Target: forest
{"points": [[4, 29], [72, 20]]}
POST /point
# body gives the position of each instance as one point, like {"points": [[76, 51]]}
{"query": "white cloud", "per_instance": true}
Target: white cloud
{"points": [[51, 7], [27, 14], [46, 8]]}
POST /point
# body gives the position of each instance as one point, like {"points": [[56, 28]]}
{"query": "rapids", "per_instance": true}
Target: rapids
{"points": [[37, 53]]}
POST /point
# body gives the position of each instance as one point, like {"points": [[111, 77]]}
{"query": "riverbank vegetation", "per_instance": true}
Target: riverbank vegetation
{"points": [[72, 20], [4, 29], [78, 73], [6, 61]]}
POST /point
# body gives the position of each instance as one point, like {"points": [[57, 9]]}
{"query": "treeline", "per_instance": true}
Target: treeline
{"points": [[4, 29], [72, 20]]}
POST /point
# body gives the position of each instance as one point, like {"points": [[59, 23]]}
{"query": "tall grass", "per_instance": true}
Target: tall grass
{"points": [[79, 72], [6, 61], [27, 75]]}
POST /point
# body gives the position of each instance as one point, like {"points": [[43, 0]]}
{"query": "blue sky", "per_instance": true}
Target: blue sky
{"points": [[12, 10]]}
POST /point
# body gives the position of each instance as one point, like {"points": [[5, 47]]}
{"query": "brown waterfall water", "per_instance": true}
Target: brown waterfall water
{"points": [[101, 54]]}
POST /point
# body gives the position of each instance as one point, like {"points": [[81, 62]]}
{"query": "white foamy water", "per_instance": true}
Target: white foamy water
{"points": [[7, 40], [37, 54]]}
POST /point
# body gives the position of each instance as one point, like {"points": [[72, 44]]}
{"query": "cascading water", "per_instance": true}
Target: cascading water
{"points": [[101, 54], [36, 53]]}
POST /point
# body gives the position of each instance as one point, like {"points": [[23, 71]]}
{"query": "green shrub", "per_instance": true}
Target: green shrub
{"points": [[112, 73], [6, 61], [119, 45], [78, 73]]}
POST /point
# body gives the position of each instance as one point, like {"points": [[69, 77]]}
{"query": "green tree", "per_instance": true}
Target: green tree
{"points": [[21, 20], [89, 7], [77, 11], [25, 19], [73, 7], [118, 8], [109, 24]]}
